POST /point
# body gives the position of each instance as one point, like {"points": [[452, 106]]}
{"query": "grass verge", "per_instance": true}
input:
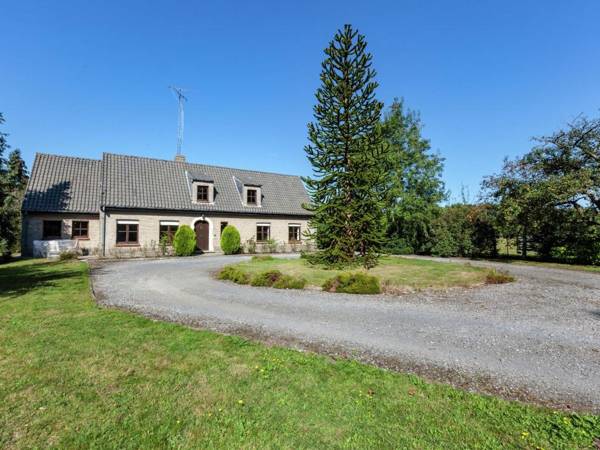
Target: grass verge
{"points": [[550, 265], [75, 375]]}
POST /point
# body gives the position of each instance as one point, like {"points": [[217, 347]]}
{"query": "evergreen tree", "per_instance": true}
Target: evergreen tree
{"points": [[13, 179], [16, 170], [415, 186], [347, 155]]}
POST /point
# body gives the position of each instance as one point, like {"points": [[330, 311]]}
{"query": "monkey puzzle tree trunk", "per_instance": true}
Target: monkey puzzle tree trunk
{"points": [[346, 152]]}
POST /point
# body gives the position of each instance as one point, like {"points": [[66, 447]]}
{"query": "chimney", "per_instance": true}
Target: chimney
{"points": [[179, 158]]}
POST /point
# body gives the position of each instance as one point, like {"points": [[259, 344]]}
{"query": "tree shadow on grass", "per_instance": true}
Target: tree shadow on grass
{"points": [[19, 280]]}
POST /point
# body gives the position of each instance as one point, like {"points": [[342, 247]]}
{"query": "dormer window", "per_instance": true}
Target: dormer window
{"points": [[251, 197], [203, 193]]}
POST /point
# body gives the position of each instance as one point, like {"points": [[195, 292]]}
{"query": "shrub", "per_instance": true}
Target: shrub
{"points": [[230, 240], [271, 245], [234, 274], [251, 246], [67, 255], [353, 283], [262, 258], [164, 244], [497, 277], [289, 282], [267, 278], [184, 242]]}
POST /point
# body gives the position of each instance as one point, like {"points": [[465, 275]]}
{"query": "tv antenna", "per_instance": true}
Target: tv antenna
{"points": [[181, 99]]}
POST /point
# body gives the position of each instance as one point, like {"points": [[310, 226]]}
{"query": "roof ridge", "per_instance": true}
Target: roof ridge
{"points": [[202, 164], [66, 156]]}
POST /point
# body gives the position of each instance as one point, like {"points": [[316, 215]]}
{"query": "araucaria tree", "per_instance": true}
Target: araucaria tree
{"points": [[348, 156]]}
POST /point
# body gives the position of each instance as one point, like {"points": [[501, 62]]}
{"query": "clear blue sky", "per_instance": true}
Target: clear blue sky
{"points": [[80, 79]]}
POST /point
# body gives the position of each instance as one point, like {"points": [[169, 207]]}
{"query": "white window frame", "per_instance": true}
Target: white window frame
{"points": [[258, 196], [211, 192]]}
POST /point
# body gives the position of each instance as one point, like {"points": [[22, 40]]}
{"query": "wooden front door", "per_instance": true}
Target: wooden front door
{"points": [[201, 229]]}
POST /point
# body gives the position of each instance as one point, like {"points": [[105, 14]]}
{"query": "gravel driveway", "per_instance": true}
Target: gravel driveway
{"points": [[537, 339]]}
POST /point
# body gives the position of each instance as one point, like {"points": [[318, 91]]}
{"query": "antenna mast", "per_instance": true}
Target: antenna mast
{"points": [[180, 99]]}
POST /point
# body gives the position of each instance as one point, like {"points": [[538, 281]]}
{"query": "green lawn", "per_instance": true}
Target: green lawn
{"points": [[396, 274], [76, 375]]}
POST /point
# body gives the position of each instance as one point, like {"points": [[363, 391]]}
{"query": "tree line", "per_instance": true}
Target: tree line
{"points": [[377, 186]]}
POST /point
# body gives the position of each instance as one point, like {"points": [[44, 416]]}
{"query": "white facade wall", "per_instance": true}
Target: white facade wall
{"points": [[149, 229], [33, 229]]}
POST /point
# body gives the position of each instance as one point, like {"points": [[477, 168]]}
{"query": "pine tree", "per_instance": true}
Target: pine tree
{"points": [[13, 180], [347, 154], [17, 170]]}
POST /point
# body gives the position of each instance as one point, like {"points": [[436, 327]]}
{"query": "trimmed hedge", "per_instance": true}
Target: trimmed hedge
{"points": [[230, 240], [184, 242], [234, 274], [353, 283]]}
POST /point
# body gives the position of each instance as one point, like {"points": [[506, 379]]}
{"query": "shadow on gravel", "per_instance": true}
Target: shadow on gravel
{"points": [[595, 314]]}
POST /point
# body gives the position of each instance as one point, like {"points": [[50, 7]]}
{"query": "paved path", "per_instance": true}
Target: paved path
{"points": [[536, 339]]}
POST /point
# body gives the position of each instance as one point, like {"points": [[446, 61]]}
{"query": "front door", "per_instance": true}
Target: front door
{"points": [[201, 229]]}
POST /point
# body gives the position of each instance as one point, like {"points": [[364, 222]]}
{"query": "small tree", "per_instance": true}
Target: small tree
{"points": [[184, 242], [230, 240]]}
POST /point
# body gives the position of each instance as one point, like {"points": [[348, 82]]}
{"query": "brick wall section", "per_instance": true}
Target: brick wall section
{"points": [[33, 226], [149, 229]]}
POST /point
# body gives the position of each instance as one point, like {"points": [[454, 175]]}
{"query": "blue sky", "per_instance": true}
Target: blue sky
{"points": [[80, 78]]}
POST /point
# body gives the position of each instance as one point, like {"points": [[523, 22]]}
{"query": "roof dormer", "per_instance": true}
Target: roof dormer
{"points": [[202, 188], [250, 191]]}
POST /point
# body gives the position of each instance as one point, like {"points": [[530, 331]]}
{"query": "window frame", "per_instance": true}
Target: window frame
{"points": [[169, 232], [128, 242], [260, 226], [204, 188], [49, 237], [79, 228], [299, 227], [255, 193]]}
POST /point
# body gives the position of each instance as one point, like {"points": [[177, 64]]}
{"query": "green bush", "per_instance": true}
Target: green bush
{"points": [[251, 246], [67, 255], [267, 278], [289, 282], [184, 242], [230, 240], [234, 274], [164, 244], [353, 283]]}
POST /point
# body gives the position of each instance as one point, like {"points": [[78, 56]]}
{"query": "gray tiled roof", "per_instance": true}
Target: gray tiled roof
{"points": [[63, 183], [146, 183]]}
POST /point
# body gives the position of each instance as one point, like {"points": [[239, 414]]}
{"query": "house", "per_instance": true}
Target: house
{"points": [[123, 205]]}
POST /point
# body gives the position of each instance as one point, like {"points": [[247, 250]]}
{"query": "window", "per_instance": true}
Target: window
{"points": [[202, 193], [223, 225], [294, 233], [263, 233], [52, 229], [251, 197], [79, 229], [168, 229], [127, 233]]}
